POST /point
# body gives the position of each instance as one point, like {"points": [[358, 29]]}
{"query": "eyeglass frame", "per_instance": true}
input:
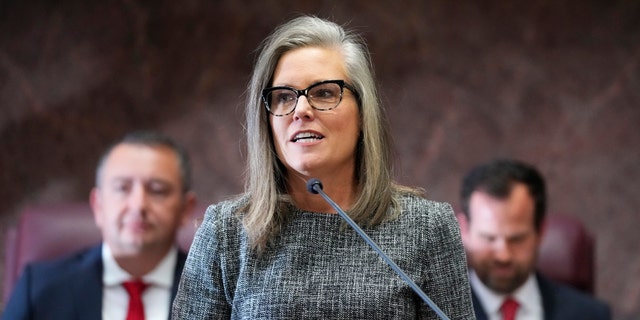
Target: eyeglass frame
{"points": [[305, 92]]}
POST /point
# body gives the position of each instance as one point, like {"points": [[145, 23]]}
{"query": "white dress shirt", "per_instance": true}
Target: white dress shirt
{"points": [[156, 297], [528, 297]]}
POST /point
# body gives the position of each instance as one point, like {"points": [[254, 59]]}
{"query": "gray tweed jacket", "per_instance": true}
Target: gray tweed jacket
{"points": [[318, 269]]}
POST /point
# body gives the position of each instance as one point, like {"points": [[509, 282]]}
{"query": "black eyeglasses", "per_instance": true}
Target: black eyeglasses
{"points": [[324, 95]]}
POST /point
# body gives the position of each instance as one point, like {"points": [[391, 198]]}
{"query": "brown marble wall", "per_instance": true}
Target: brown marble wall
{"points": [[555, 83]]}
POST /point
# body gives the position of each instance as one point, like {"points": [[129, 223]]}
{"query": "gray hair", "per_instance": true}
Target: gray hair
{"points": [[268, 206]]}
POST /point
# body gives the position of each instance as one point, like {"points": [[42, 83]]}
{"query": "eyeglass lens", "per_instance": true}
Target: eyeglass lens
{"points": [[321, 96]]}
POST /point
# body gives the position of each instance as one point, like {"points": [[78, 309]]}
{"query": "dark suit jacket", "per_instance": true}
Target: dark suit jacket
{"points": [[67, 288], [560, 302]]}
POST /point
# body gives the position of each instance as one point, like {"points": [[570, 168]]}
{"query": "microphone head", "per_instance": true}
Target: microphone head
{"points": [[311, 185]]}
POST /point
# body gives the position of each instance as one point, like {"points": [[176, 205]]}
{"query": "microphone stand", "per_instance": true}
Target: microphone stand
{"points": [[315, 186]]}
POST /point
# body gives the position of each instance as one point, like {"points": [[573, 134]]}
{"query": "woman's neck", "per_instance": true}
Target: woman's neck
{"points": [[342, 191]]}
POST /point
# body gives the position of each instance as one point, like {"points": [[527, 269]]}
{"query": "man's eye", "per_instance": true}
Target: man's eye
{"points": [[488, 239], [122, 188], [517, 239], [158, 189]]}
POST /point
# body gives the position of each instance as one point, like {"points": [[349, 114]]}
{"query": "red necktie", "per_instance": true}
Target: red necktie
{"points": [[509, 309], [135, 289]]}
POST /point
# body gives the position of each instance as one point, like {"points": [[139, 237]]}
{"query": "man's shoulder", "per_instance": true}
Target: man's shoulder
{"points": [[68, 265], [50, 289], [567, 298]]}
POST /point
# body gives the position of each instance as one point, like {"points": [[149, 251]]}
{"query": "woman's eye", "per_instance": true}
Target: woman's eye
{"points": [[286, 97]]}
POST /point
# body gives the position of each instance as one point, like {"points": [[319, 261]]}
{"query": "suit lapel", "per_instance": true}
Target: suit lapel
{"points": [[477, 306], [547, 294], [87, 287], [549, 305]]}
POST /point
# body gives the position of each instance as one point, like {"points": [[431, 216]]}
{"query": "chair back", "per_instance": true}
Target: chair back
{"points": [[566, 254], [51, 231]]}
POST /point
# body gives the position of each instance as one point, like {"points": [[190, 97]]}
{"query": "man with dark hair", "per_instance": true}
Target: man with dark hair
{"points": [[141, 198], [504, 206]]}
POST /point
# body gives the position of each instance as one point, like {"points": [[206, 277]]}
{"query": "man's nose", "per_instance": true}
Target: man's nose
{"points": [[502, 250], [138, 198]]}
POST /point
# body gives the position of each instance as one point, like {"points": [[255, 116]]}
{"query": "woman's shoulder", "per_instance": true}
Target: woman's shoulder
{"points": [[419, 203], [435, 220], [232, 204], [425, 213], [227, 210]]}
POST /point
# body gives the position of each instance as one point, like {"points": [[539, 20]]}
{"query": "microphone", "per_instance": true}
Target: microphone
{"points": [[315, 186]]}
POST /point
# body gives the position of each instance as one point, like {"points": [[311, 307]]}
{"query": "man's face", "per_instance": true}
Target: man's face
{"points": [[501, 239], [138, 203]]}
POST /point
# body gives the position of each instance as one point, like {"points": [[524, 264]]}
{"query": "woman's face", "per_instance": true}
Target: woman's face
{"points": [[312, 142]]}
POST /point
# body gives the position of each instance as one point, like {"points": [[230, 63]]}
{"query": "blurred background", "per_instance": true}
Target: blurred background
{"points": [[553, 83]]}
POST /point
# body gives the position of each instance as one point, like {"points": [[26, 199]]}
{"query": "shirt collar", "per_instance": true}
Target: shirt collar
{"points": [[162, 275], [527, 295]]}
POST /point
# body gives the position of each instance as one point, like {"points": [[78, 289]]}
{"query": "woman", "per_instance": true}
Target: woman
{"points": [[280, 252]]}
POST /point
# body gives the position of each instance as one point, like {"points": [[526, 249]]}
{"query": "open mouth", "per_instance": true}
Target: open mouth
{"points": [[306, 137]]}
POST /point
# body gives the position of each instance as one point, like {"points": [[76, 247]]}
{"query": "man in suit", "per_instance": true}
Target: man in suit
{"points": [[504, 205], [141, 198]]}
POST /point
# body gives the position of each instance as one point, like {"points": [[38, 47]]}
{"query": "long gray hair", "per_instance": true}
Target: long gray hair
{"points": [[269, 206]]}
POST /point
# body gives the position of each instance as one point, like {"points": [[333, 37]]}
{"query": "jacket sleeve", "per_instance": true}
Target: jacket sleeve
{"points": [[448, 281], [19, 305], [201, 293]]}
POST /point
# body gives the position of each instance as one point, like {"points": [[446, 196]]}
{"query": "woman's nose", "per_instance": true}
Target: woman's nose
{"points": [[303, 110]]}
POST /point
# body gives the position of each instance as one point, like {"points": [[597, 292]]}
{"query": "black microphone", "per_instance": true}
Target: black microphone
{"points": [[315, 186]]}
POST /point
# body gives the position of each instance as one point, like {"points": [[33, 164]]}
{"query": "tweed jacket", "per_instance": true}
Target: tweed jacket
{"points": [[316, 268]]}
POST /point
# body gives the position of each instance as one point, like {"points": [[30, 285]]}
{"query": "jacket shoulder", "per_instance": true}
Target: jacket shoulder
{"points": [[564, 302]]}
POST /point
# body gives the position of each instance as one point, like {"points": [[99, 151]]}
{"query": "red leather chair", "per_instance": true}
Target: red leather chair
{"points": [[566, 253], [47, 232]]}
